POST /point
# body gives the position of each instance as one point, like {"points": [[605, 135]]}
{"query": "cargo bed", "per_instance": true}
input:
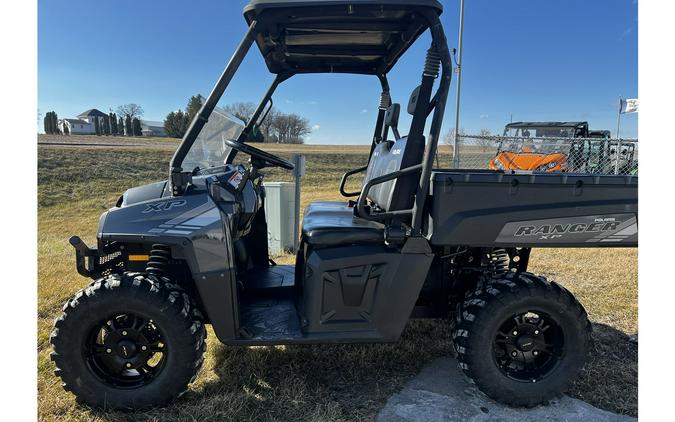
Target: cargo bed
{"points": [[488, 209]]}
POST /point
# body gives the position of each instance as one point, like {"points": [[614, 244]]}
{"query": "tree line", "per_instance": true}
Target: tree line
{"points": [[112, 124], [278, 127]]}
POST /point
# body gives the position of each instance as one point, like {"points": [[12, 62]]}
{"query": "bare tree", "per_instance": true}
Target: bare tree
{"points": [[280, 128], [298, 127], [450, 136], [132, 110], [244, 111], [266, 127], [290, 128], [485, 142]]}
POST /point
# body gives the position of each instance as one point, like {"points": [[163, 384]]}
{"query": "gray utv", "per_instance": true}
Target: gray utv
{"points": [[415, 241]]}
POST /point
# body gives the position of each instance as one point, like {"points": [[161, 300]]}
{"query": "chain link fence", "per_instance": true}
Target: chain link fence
{"points": [[571, 155]]}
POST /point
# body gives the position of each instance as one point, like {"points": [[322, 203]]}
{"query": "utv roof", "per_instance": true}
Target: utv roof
{"points": [[322, 36], [546, 124]]}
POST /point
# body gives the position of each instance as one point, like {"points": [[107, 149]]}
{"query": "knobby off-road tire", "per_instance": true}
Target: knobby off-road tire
{"points": [[497, 265], [108, 323], [550, 345]]}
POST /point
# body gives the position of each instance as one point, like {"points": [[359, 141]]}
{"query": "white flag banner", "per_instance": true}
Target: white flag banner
{"points": [[629, 105]]}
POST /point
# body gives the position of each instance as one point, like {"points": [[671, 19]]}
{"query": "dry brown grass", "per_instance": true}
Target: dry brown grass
{"points": [[322, 382]]}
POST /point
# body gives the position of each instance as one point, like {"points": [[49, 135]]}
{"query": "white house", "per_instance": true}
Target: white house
{"points": [[84, 124], [150, 128], [76, 127], [91, 114]]}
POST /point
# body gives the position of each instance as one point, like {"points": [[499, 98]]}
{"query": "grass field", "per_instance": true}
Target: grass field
{"points": [[322, 382]]}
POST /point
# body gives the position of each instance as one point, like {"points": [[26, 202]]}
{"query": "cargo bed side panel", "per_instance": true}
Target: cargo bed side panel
{"points": [[532, 210]]}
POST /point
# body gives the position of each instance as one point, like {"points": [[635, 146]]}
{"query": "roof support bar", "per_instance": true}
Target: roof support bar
{"points": [[385, 101], [177, 182], [441, 46]]}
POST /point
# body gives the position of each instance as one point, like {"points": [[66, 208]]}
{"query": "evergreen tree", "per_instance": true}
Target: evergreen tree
{"points": [[97, 126], [113, 123], [127, 126], [51, 123], [194, 104], [106, 125], [176, 124], [136, 126], [170, 125], [56, 123], [120, 126], [66, 131], [45, 122]]}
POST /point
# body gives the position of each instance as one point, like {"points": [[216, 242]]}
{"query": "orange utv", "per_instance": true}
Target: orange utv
{"points": [[539, 146]]}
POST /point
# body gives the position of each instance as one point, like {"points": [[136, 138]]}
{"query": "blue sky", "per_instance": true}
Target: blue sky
{"points": [[529, 59]]}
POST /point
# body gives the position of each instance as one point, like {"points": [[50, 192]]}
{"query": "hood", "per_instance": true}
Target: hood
{"points": [[144, 193], [530, 161]]}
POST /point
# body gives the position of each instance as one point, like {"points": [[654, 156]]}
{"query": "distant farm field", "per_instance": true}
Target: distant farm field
{"points": [[320, 382]]}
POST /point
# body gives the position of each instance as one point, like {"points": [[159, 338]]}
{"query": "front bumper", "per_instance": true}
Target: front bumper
{"points": [[90, 262]]}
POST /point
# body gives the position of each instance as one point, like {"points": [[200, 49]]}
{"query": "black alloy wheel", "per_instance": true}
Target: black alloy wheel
{"points": [[528, 346], [126, 350]]}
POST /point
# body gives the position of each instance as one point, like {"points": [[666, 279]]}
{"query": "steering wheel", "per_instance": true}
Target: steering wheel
{"points": [[259, 154]]}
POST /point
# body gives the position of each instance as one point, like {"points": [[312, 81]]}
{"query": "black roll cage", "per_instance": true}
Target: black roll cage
{"points": [[179, 180]]}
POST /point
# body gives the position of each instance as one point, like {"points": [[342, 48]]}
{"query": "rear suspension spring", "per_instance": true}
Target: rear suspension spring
{"points": [[432, 64], [385, 100]]}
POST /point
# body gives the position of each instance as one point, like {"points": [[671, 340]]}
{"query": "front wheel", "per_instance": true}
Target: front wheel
{"points": [[128, 341], [521, 339]]}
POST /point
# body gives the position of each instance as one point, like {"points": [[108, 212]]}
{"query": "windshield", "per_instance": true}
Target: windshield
{"points": [[537, 140], [209, 149], [540, 132]]}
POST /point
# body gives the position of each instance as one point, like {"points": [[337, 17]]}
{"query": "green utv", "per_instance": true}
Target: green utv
{"points": [[416, 241]]}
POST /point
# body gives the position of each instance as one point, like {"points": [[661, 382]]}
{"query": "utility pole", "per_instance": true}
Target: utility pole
{"points": [[618, 137], [618, 119], [455, 142]]}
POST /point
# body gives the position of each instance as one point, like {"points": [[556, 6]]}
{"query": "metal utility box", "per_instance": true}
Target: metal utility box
{"points": [[280, 212]]}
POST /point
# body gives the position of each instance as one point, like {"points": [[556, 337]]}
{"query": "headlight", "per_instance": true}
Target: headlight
{"points": [[498, 164], [547, 167]]}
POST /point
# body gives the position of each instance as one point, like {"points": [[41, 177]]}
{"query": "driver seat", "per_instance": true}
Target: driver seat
{"points": [[335, 223]]}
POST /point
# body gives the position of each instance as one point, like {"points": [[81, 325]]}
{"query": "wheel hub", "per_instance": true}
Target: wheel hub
{"points": [[126, 351], [528, 346], [525, 343]]}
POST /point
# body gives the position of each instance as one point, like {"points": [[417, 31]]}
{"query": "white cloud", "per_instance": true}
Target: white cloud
{"points": [[289, 101], [483, 116], [313, 102], [316, 127], [364, 111]]}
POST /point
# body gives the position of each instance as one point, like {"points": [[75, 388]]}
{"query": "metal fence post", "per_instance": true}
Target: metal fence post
{"points": [[618, 156], [458, 69], [299, 171]]}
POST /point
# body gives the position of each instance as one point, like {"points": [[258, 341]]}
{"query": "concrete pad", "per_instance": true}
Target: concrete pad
{"points": [[441, 393]]}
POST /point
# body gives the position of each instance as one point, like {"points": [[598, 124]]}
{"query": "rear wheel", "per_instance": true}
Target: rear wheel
{"points": [[128, 341], [521, 339]]}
